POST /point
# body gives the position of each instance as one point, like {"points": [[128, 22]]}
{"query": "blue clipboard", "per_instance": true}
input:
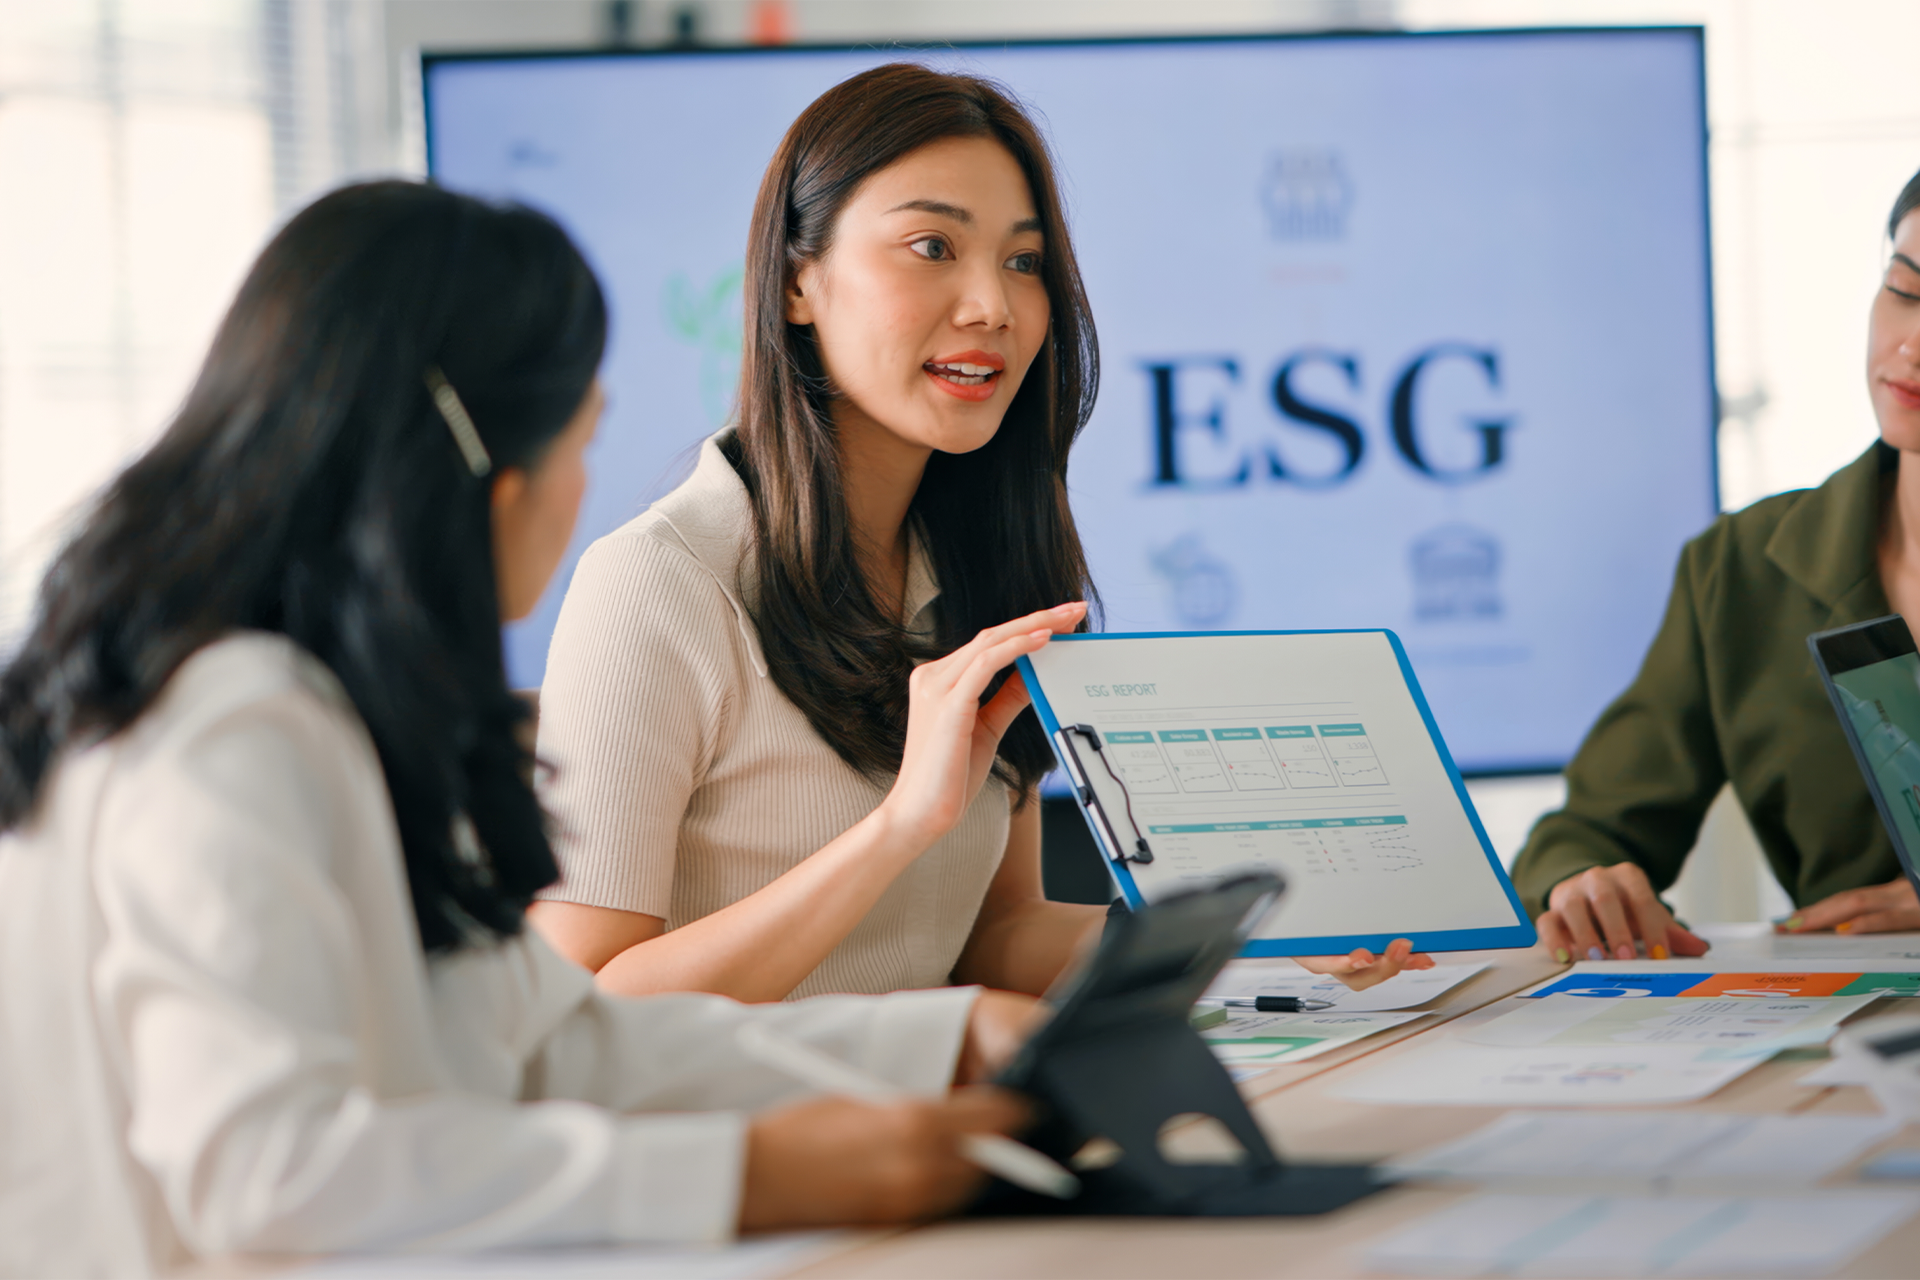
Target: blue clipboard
{"points": [[1108, 829]]}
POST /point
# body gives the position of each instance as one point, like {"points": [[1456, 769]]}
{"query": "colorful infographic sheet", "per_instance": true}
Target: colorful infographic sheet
{"points": [[1304, 753], [1649, 984]]}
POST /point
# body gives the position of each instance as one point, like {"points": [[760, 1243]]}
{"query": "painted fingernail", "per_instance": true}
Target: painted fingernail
{"points": [[1658, 952], [1595, 953], [1624, 951], [1793, 922], [1844, 928], [1560, 954]]}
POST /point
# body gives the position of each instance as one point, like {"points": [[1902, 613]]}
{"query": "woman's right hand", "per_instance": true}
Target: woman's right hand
{"points": [[1600, 914], [951, 737], [833, 1161]]}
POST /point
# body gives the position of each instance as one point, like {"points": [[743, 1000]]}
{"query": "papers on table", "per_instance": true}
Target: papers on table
{"points": [[1838, 946], [1652, 1144], [1571, 1050], [1809, 1233], [745, 1260], [1455, 1073], [1900, 1164], [1402, 991], [1273, 1038], [1757, 946], [1736, 1025], [1835, 1073]]}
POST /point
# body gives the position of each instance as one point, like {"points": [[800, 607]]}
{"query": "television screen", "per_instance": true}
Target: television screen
{"points": [[1405, 331]]}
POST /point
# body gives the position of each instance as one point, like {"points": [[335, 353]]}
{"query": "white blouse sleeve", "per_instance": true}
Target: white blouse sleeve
{"points": [[301, 1081]]}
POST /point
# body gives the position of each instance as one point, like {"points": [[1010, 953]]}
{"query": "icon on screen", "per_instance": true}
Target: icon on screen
{"points": [[527, 153], [1202, 584], [708, 317], [1456, 575], [1307, 194]]}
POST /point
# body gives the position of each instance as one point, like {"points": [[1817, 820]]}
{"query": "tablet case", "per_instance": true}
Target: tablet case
{"points": [[1120, 1059]]}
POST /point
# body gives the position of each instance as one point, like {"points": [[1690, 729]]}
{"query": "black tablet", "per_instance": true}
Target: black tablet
{"points": [[1872, 673], [1120, 1061], [1152, 964]]}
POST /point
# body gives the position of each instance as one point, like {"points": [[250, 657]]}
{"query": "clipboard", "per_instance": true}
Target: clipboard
{"points": [[1196, 755]]}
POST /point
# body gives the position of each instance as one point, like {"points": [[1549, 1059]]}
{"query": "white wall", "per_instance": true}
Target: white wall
{"points": [[1814, 118], [135, 183]]}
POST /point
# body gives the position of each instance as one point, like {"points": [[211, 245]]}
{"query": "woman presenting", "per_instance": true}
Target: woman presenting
{"points": [[1729, 694], [788, 758]]}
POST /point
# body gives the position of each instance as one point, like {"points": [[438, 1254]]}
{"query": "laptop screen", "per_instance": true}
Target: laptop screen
{"points": [[1875, 676]]}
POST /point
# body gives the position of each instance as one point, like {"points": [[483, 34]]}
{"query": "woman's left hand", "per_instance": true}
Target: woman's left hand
{"points": [[1362, 969], [1879, 908]]}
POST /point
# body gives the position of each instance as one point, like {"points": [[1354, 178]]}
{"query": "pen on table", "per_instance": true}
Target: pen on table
{"points": [[994, 1152], [1268, 1004]]}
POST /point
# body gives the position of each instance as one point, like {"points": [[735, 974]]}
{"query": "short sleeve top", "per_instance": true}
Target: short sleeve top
{"points": [[683, 780]]}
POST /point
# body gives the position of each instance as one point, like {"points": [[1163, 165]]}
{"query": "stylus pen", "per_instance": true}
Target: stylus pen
{"points": [[994, 1152], [1268, 1004]]}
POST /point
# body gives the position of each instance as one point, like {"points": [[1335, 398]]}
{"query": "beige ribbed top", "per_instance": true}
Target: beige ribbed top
{"points": [[684, 780]]}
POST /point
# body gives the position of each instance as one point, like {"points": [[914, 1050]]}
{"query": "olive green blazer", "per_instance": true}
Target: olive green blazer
{"points": [[1729, 693]]}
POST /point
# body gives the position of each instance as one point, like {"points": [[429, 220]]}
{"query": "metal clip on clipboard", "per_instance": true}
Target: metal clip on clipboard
{"points": [[1090, 800]]}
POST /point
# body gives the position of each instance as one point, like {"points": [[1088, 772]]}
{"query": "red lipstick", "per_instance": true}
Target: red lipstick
{"points": [[967, 375]]}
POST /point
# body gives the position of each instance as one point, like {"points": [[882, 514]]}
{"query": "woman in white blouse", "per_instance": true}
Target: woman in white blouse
{"points": [[759, 792], [269, 834]]}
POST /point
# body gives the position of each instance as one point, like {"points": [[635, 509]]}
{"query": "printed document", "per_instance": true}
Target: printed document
{"points": [[1274, 1038], [1736, 1025], [1805, 1234], [1304, 753], [747, 1259], [1533, 1145], [1458, 1073]]}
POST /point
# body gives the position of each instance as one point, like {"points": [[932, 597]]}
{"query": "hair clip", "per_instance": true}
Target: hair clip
{"points": [[458, 421]]}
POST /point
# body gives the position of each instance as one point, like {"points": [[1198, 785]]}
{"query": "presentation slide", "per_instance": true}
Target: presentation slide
{"points": [[1301, 754], [1395, 331]]}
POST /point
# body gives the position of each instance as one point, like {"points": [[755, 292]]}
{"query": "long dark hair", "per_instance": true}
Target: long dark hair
{"points": [[995, 521], [1905, 203], [309, 486]]}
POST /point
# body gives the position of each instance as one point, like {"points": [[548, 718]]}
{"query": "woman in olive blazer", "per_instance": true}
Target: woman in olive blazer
{"points": [[1728, 692]]}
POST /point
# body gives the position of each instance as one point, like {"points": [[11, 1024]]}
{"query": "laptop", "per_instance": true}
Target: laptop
{"points": [[1872, 673]]}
